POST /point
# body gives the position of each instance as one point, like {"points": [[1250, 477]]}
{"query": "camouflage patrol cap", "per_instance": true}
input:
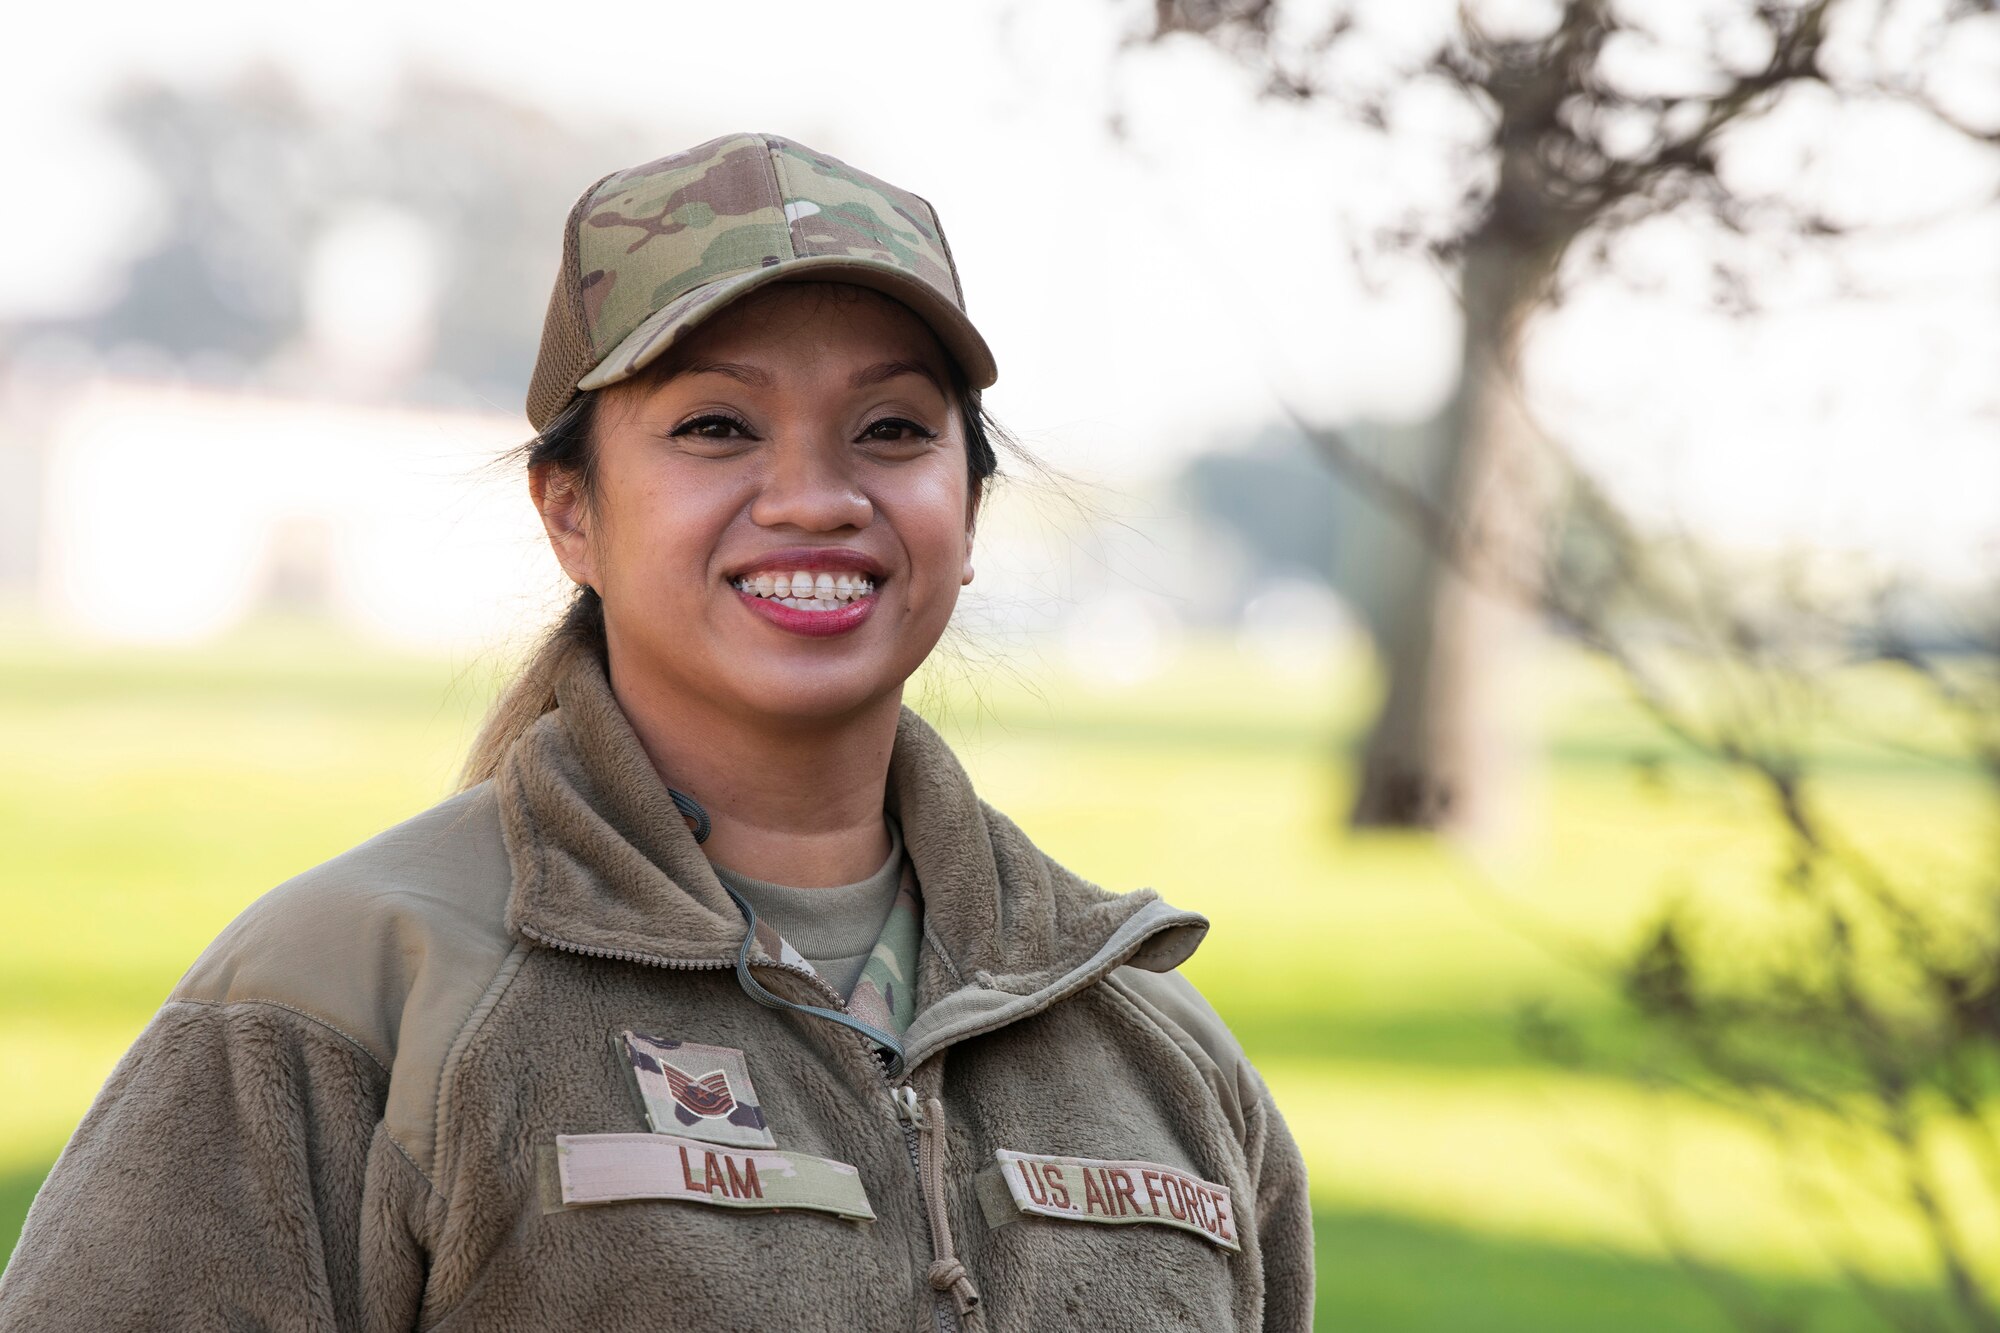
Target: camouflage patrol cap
{"points": [[651, 251]]}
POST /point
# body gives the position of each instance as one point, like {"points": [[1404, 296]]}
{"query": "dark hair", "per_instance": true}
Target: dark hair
{"points": [[569, 442]]}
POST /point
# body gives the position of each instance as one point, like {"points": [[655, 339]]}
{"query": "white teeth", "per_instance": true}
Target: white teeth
{"points": [[807, 592]]}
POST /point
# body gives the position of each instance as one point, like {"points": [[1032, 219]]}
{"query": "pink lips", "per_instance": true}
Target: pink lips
{"points": [[813, 559], [812, 623]]}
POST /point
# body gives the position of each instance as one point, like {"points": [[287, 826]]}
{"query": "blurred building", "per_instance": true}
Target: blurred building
{"points": [[163, 510]]}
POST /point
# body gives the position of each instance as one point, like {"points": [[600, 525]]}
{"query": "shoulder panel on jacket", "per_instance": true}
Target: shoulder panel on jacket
{"points": [[392, 943], [1171, 998]]}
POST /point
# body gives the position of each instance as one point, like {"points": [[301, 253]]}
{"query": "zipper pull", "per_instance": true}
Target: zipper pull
{"points": [[908, 1108], [947, 1273]]}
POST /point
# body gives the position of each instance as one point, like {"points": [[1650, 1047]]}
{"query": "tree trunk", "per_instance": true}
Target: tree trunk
{"points": [[1442, 754]]}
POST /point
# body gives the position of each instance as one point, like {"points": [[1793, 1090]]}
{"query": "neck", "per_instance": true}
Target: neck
{"points": [[789, 802]]}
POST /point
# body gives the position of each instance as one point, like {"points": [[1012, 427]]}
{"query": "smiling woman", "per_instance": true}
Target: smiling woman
{"points": [[716, 996]]}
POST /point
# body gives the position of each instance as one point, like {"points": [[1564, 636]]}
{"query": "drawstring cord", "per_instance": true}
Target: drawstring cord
{"points": [[690, 808], [890, 1047], [946, 1272]]}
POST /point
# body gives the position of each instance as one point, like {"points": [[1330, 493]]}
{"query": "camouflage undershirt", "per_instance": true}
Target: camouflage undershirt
{"points": [[804, 928], [886, 995]]}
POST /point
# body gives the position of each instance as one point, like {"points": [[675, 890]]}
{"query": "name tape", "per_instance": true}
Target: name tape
{"points": [[614, 1168], [1086, 1189]]}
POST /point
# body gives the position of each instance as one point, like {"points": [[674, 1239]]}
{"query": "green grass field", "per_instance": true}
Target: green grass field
{"points": [[1459, 1183]]}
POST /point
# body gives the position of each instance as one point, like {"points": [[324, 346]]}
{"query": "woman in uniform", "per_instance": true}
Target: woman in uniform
{"points": [[716, 997]]}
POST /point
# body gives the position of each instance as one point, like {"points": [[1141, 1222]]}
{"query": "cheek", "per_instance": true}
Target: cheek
{"points": [[929, 516], [661, 533]]}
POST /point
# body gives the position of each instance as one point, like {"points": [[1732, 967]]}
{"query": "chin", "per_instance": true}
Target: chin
{"points": [[807, 697], [803, 686]]}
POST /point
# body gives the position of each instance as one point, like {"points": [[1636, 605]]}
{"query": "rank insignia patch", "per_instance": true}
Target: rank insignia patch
{"points": [[702, 1092]]}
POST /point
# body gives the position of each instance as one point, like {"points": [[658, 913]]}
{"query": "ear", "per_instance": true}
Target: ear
{"points": [[972, 500], [564, 518]]}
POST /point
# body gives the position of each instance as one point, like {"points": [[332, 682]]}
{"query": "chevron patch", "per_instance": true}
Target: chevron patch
{"points": [[695, 1091]]}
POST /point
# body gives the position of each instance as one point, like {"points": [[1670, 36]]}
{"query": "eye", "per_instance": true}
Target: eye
{"points": [[712, 426], [898, 429]]}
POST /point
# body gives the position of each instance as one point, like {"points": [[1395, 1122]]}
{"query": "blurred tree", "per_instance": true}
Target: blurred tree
{"points": [[239, 185], [1294, 516], [1595, 116], [1273, 497], [1853, 1012], [251, 177]]}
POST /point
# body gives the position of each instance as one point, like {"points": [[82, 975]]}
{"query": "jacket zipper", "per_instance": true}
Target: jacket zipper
{"points": [[631, 956], [947, 1319]]}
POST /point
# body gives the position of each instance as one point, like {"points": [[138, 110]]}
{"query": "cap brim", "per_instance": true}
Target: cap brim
{"points": [[666, 326]]}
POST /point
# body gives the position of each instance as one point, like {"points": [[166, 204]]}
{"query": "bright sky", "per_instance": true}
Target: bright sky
{"points": [[1147, 298]]}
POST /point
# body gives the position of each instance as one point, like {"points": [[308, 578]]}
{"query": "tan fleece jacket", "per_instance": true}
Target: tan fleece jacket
{"points": [[346, 1115]]}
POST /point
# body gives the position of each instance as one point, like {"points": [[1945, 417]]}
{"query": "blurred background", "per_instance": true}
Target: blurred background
{"points": [[1512, 534]]}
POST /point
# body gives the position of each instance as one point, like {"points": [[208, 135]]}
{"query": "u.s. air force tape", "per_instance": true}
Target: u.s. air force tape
{"points": [[614, 1168], [1085, 1189]]}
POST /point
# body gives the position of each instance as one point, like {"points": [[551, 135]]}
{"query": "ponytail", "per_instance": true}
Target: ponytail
{"points": [[533, 692], [564, 443]]}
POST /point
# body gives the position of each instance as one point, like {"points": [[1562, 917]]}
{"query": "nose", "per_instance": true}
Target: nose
{"points": [[811, 485]]}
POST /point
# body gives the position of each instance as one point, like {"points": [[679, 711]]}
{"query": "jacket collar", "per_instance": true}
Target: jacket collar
{"points": [[604, 864]]}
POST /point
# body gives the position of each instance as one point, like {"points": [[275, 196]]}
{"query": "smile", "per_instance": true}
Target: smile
{"points": [[804, 591], [811, 602]]}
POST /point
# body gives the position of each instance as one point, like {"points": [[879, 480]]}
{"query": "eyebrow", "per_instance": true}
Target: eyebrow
{"points": [[888, 370], [860, 379], [736, 370]]}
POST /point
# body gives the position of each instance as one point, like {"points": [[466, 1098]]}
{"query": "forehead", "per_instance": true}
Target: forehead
{"points": [[819, 322]]}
